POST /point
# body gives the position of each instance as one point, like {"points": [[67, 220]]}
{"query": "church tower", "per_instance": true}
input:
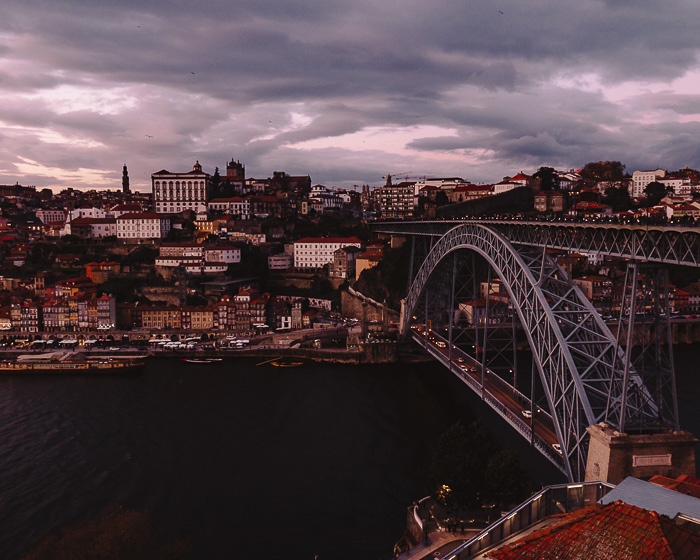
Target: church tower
{"points": [[125, 179]]}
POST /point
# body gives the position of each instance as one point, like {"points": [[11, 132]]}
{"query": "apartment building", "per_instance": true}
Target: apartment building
{"points": [[313, 253]]}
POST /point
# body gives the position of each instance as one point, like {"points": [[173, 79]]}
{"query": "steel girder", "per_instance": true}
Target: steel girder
{"points": [[668, 245], [573, 349]]}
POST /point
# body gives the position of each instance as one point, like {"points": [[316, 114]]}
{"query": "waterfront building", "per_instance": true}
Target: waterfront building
{"points": [[198, 319], [161, 317]]}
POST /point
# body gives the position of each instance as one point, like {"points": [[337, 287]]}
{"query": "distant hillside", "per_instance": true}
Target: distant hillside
{"points": [[521, 199]]}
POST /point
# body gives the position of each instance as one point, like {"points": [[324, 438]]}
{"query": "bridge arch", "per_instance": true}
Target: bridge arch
{"points": [[576, 356]]}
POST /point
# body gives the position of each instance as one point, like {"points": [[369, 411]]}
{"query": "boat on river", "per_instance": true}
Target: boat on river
{"points": [[200, 360], [71, 362], [286, 363]]}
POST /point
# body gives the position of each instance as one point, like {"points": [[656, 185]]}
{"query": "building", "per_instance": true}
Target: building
{"points": [[596, 288], [395, 201], [313, 253], [281, 262], [196, 258], [161, 317], [368, 259], [343, 264], [125, 180], [549, 201], [135, 227], [640, 179], [235, 206], [51, 216], [102, 271], [93, 228], [176, 192]]}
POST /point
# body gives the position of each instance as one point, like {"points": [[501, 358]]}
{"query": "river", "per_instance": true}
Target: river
{"points": [[243, 461]]}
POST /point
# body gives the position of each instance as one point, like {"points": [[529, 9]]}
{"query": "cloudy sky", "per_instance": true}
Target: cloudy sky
{"points": [[344, 91]]}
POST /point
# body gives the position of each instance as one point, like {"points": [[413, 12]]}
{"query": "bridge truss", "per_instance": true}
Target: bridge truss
{"points": [[586, 376]]}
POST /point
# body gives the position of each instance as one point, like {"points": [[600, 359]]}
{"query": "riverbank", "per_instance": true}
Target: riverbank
{"points": [[371, 353]]}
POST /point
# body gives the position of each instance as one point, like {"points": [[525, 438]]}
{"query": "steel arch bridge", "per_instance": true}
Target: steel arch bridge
{"points": [[585, 374]]}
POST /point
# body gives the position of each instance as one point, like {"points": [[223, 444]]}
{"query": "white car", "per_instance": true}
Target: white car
{"points": [[527, 413], [557, 448]]}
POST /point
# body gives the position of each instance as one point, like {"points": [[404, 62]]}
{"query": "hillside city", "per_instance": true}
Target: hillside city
{"points": [[215, 254]]}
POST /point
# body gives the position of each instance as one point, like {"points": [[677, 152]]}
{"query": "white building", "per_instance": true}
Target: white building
{"points": [[316, 252], [144, 225], [198, 258], [280, 262], [222, 254], [236, 206], [640, 179], [92, 228], [51, 216], [86, 212], [175, 192]]}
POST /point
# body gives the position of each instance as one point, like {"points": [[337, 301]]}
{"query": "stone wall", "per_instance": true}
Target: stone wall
{"points": [[355, 305]]}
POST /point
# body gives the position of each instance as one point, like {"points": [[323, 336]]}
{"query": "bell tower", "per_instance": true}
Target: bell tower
{"points": [[125, 180]]}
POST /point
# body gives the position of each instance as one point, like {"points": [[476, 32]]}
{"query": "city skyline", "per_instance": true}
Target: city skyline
{"points": [[344, 92]]}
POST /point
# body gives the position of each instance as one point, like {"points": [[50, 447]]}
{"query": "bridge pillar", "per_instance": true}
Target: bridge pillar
{"points": [[613, 456]]}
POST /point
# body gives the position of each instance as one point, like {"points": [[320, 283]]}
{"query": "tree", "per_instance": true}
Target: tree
{"points": [[655, 191], [441, 198], [506, 483], [602, 171], [460, 462], [547, 179], [618, 198]]}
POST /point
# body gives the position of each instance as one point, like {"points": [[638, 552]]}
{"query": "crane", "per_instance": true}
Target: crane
{"points": [[388, 176]]}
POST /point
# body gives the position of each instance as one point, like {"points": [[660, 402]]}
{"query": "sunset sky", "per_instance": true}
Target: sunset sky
{"points": [[344, 91]]}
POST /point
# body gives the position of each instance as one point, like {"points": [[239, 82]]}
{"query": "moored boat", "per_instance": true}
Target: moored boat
{"points": [[286, 363], [71, 362], [200, 360]]}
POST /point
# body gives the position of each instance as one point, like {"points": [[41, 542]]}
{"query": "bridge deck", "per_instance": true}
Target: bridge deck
{"points": [[502, 397]]}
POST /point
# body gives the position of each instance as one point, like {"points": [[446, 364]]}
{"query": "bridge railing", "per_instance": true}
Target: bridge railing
{"points": [[520, 425], [551, 500]]}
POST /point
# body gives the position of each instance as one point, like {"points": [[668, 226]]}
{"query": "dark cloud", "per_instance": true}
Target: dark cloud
{"points": [[503, 86]]}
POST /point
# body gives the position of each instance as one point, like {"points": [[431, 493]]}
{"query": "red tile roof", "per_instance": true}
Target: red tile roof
{"points": [[685, 483], [616, 531]]}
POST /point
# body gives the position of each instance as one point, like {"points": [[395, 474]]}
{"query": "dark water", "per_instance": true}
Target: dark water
{"points": [[242, 461]]}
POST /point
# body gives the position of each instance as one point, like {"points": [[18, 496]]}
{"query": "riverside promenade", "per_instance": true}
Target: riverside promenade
{"points": [[431, 533]]}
